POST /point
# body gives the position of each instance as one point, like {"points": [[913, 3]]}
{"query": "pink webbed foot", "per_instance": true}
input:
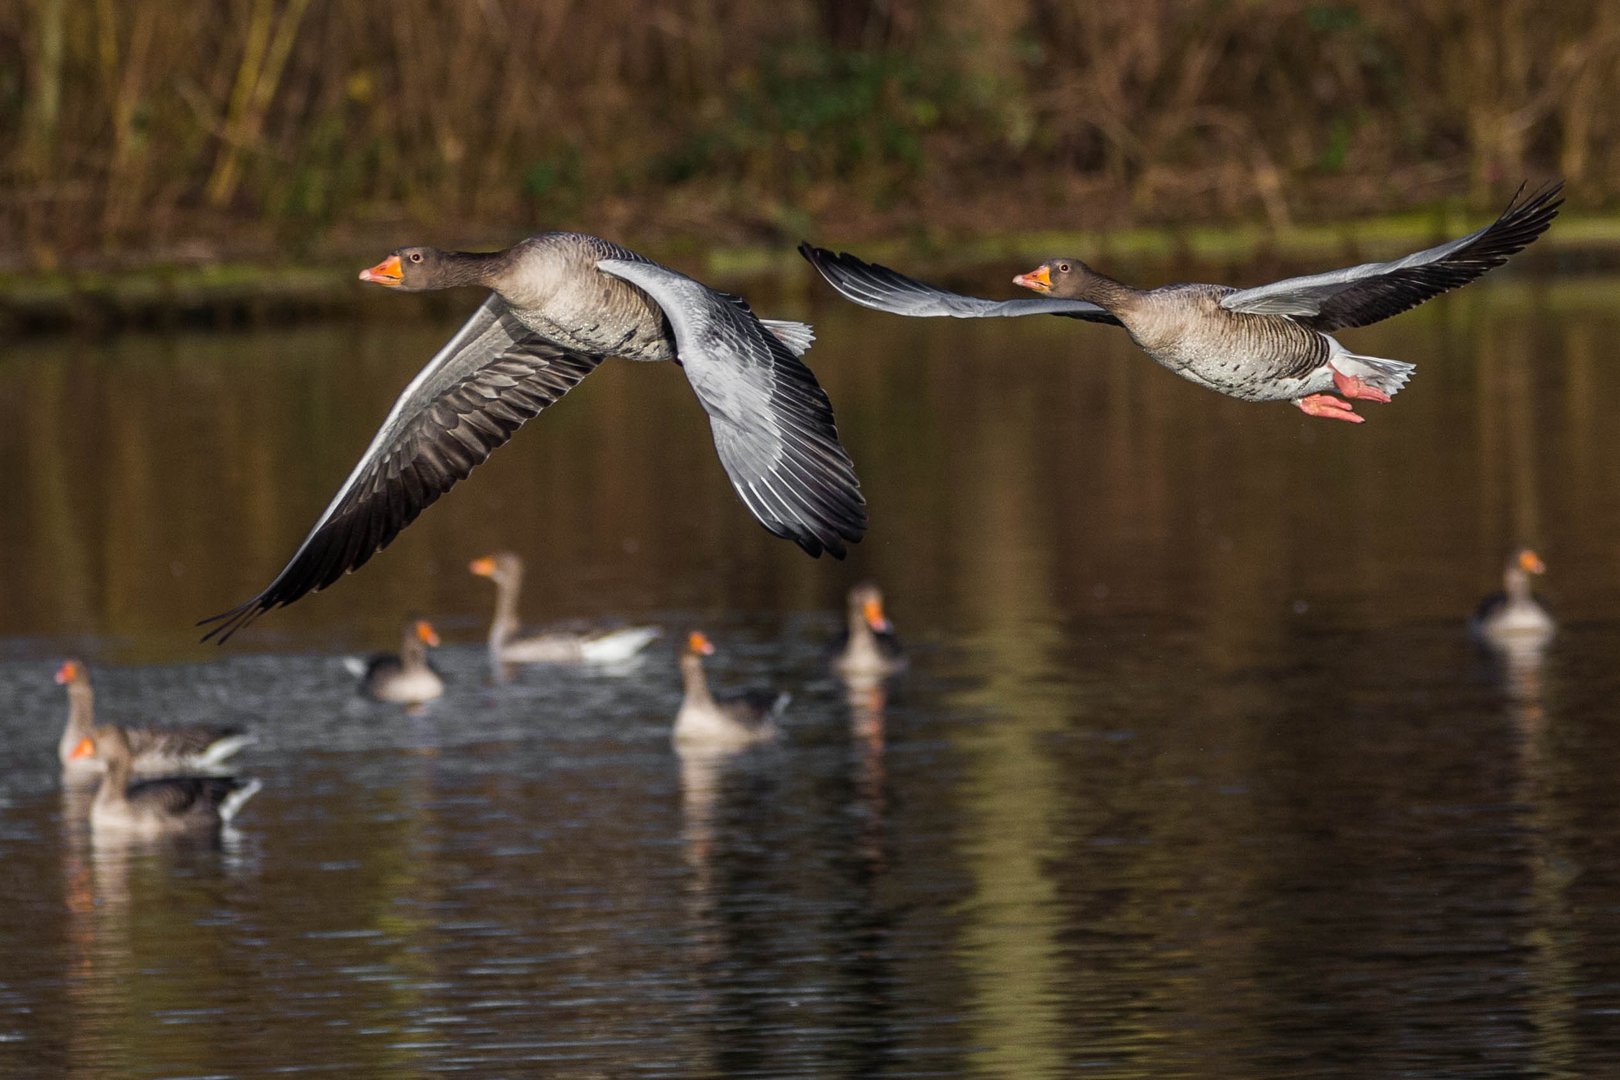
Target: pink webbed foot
{"points": [[1357, 389], [1329, 406]]}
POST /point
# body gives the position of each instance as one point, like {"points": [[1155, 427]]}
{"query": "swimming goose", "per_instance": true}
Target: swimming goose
{"points": [[1268, 343], [406, 677], [1515, 615], [732, 721], [153, 749], [561, 303], [506, 571], [869, 646], [164, 806]]}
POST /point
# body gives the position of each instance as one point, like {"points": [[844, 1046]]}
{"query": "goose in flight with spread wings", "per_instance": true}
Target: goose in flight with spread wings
{"points": [[1268, 343], [562, 302]]}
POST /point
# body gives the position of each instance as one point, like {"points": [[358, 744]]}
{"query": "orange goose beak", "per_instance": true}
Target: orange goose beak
{"points": [[1531, 563], [389, 272], [426, 635], [1039, 279], [85, 748], [69, 672], [698, 643], [484, 567], [873, 613]]}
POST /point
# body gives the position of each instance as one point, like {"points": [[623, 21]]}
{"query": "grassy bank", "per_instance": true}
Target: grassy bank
{"points": [[225, 295]]}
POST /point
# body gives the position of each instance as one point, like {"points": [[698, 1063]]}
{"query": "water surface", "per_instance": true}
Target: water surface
{"points": [[1195, 771]]}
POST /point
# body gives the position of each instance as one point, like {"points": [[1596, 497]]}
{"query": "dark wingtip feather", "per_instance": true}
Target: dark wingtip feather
{"points": [[1526, 220], [229, 622], [826, 262]]}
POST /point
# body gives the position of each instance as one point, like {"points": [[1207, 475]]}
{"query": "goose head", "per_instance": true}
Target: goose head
{"points": [[417, 269], [1064, 277], [503, 568], [1516, 579], [425, 633], [72, 673], [866, 604]]}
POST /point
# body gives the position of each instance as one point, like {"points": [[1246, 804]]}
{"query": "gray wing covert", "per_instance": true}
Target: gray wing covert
{"points": [[772, 423], [493, 375]]}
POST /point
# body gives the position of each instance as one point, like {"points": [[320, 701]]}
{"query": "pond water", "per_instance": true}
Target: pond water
{"points": [[1195, 771]]}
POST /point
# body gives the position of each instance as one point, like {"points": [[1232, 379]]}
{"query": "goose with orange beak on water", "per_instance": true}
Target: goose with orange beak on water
{"points": [[152, 749], [729, 722], [507, 646], [406, 677], [868, 646], [560, 304], [1267, 343], [1515, 615], [167, 806]]}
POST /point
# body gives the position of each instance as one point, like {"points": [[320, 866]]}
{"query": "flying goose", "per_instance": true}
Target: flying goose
{"points": [[732, 721], [406, 677], [1268, 343], [561, 303], [1515, 615], [505, 569], [152, 749], [868, 646], [165, 806]]}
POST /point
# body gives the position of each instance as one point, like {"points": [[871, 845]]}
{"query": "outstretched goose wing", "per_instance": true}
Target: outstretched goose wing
{"points": [[772, 423], [480, 388], [1358, 295], [882, 289]]}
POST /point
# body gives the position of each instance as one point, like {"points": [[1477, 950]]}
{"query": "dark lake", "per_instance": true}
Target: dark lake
{"points": [[1195, 771]]}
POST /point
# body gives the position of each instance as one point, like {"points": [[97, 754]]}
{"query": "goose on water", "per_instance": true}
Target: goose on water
{"points": [[507, 646], [1267, 343], [560, 304], [406, 677], [1515, 615], [152, 749], [160, 807], [731, 721], [868, 646]]}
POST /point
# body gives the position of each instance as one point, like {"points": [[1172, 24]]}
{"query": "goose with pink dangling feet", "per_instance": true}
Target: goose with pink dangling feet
{"points": [[1266, 343]]}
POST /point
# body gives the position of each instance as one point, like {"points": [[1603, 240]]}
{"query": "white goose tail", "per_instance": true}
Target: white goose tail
{"points": [[233, 802], [1376, 371], [617, 645], [797, 336], [220, 749]]}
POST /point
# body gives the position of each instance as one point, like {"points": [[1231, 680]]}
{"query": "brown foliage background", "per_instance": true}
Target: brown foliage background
{"points": [[145, 129]]}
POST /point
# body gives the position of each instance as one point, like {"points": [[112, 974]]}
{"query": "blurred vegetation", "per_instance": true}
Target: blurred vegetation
{"points": [[131, 131]]}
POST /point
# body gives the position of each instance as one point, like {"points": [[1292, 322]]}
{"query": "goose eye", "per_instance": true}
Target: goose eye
{"points": [[416, 256], [1063, 268]]}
